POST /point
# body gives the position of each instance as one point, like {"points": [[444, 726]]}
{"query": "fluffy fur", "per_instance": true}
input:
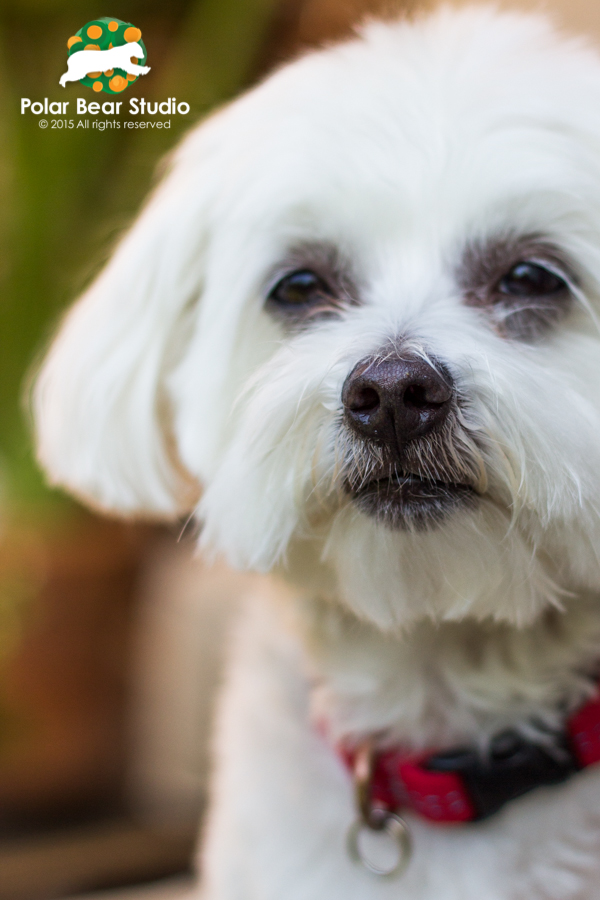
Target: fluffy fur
{"points": [[414, 161]]}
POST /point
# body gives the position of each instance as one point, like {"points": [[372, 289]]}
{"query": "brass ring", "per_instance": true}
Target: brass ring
{"points": [[387, 823]]}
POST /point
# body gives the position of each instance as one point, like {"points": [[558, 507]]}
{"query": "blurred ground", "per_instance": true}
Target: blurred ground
{"points": [[165, 889], [93, 857]]}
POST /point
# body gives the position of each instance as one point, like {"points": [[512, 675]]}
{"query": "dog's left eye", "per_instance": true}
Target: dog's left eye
{"points": [[301, 290], [528, 279], [529, 300]]}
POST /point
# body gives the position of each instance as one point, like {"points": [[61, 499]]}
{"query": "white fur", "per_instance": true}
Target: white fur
{"points": [[82, 63], [400, 148]]}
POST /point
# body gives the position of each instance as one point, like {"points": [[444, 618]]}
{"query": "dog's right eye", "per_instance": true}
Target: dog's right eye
{"points": [[301, 291], [529, 279]]}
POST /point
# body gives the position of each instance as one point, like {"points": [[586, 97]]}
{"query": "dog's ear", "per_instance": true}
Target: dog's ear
{"points": [[100, 404]]}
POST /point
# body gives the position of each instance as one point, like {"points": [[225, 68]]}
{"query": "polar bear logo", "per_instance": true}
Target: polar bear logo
{"points": [[84, 63], [118, 56]]}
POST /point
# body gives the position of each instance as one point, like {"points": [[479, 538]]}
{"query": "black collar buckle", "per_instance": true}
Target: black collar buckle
{"points": [[511, 766]]}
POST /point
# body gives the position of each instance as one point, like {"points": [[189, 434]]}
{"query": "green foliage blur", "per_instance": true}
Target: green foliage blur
{"points": [[66, 195]]}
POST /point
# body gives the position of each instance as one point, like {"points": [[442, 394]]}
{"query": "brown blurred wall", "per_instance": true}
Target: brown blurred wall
{"points": [[577, 15], [305, 23]]}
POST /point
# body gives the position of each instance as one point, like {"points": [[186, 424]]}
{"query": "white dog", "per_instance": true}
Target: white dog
{"points": [[84, 62], [362, 311]]}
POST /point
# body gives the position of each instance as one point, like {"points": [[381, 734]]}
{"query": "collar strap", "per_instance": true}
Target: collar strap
{"points": [[462, 786]]}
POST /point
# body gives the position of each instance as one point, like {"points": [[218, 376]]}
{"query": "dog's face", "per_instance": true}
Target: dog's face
{"points": [[361, 312]]}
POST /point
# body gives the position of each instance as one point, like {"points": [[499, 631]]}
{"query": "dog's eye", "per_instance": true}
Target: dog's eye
{"points": [[526, 285], [528, 279], [300, 290], [529, 300]]}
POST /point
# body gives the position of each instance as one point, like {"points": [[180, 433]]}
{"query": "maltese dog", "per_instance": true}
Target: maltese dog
{"points": [[356, 331]]}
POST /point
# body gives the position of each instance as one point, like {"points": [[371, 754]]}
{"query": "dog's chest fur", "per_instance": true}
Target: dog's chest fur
{"points": [[439, 685], [280, 784]]}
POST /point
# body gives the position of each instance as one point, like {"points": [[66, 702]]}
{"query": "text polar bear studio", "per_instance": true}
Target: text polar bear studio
{"points": [[84, 63]]}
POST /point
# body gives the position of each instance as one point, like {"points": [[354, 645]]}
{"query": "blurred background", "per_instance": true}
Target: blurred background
{"points": [[111, 634]]}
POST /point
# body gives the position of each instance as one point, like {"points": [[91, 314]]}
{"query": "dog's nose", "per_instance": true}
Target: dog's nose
{"points": [[395, 400]]}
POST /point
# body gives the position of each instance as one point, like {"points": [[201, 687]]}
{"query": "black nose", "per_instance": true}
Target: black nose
{"points": [[394, 400]]}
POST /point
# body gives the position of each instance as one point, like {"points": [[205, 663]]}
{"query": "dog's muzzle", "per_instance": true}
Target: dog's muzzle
{"points": [[401, 410]]}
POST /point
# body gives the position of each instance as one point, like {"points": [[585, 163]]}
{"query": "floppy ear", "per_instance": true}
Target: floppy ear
{"points": [[101, 411]]}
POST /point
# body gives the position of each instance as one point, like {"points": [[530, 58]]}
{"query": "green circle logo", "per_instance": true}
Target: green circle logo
{"points": [[106, 55]]}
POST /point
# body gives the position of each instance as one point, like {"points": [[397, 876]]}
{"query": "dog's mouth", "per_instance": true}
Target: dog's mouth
{"points": [[408, 500]]}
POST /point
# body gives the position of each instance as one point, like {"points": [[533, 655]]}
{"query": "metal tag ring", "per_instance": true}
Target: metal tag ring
{"points": [[389, 824]]}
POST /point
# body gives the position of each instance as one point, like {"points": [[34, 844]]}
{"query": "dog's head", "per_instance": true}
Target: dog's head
{"points": [[361, 313]]}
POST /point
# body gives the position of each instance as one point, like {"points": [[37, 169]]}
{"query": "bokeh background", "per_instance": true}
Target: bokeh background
{"points": [[111, 633]]}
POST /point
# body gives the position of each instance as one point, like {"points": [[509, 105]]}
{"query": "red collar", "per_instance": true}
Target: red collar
{"points": [[460, 785]]}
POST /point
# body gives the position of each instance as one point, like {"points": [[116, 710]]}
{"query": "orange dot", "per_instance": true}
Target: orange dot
{"points": [[97, 85], [73, 40], [118, 83], [109, 73], [94, 74], [110, 46], [132, 34], [91, 47], [112, 26], [94, 32], [131, 77], [134, 60]]}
